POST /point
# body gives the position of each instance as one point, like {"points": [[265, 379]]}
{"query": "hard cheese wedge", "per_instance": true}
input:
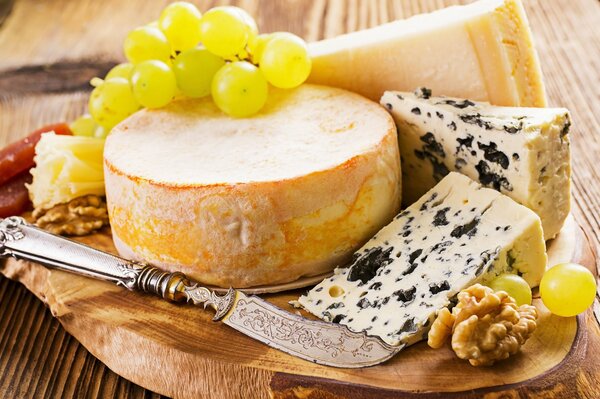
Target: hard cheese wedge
{"points": [[458, 234], [482, 51], [523, 152]]}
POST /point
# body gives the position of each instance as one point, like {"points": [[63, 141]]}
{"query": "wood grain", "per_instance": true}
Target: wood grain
{"points": [[37, 357]]}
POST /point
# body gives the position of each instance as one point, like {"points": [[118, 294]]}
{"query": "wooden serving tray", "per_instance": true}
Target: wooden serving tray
{"points": [[178, 351]]}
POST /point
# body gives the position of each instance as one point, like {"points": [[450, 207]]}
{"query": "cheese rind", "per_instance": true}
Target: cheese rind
{"points": [[290, 192], [523, 152], [456, 235], [482, 51]]}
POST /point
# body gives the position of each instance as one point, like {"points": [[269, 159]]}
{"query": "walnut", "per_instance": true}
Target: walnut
{"points": [[486, 326], [440, 329], [80, 216]]}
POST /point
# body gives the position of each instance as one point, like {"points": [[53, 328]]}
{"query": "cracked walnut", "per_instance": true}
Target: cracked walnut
{"points": [[485, 326], [80, 216]]}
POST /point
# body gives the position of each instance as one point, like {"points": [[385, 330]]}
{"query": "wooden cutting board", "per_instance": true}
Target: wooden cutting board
{"points": [[178, 351]]}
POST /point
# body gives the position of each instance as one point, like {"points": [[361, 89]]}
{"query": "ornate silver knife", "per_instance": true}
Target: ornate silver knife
{"points": [[319, 342]]}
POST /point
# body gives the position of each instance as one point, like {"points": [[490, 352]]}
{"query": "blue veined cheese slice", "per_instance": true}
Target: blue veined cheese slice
{"points": [[457, 234], [522, 152]]}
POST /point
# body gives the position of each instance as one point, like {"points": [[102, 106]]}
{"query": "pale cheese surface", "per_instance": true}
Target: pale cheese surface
{"points": [[191, 142]]}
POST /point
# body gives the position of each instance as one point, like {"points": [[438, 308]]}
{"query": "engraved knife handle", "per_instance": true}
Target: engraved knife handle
{"points": [[22, 240]]}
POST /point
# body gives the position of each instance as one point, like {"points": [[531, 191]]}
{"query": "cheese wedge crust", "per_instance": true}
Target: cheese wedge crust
{"points": [[523, 152], [457, 234], [482, 51], [290, 192]]}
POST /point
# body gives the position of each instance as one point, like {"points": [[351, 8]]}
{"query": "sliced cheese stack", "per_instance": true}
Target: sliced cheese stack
{"points": [[523, 152], [293, 191], [458, 234], [482, 51]]}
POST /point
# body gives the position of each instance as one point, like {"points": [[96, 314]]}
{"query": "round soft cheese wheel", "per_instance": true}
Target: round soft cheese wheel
{"points": [[290, 192]]}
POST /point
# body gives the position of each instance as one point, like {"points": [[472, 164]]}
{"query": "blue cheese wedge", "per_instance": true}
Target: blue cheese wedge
{"points": [[457, 234], [522, 152]]}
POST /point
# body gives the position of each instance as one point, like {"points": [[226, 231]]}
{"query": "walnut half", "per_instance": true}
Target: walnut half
{"points": [[78, 217], [485, 326]]}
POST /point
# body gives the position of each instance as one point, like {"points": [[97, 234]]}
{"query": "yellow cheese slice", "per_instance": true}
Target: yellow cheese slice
{"points": [[292, 191], [482, 51]]}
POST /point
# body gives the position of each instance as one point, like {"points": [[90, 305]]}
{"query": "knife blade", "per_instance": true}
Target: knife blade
{"points": [[316, 341]]}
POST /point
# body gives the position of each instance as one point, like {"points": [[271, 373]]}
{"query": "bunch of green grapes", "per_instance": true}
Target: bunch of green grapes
{"points": [[185, 53]]}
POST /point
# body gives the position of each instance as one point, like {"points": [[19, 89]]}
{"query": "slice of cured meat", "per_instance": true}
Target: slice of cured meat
{"points": [[14, 198]]}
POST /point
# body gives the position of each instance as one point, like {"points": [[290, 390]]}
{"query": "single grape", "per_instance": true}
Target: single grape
{"points": [[96, 81], [251, 26], [111, 102], [568, 289], [153, 83], [513, 285], [224, 31], [252, 31], [285, 61], [194, 70], [85, 125], [180, 22], [256, 46], [248, 20], [146, 43], [120, 71], [239, 89], [101, 132]]}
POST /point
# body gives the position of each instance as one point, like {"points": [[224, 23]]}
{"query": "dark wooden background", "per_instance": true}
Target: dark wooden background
{"points": [[49, 49]]}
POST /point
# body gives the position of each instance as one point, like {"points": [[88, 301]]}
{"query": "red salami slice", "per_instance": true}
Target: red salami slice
{"points": [[14, 198]]}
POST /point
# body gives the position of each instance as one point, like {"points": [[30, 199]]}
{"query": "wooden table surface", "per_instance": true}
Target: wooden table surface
{"points": [[49, 49]]}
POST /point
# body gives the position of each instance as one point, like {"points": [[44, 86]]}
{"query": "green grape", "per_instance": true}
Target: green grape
{"points": [[153, 84], [101, 132], [120, 71], [146, 43], [256, 46], [180, 22], [239, 89], [285, 61], [195, 69], [96, 81], [568, 289], [111, 102], [224, 31], [248, 20], [85, 125], [251, 26], [252, 31], [513, 285]]}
